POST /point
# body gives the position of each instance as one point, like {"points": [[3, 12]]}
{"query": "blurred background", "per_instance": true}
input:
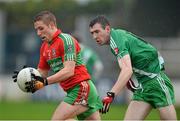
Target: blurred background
{"points": [[158, 21]]}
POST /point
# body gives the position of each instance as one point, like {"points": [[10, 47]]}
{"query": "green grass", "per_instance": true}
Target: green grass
{"points": [[26, 110], [44, 111], [117, 112]]}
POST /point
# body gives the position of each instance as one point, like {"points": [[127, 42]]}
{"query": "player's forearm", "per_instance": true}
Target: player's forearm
{"points": [[123, 78], [60, 76]]}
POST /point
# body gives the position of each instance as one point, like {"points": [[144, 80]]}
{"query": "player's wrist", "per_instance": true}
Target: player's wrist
{"points": [[111, 94], [45, 81], [42, 80]]}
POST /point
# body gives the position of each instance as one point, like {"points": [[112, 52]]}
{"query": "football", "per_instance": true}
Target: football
{"points": [[25, 76]]}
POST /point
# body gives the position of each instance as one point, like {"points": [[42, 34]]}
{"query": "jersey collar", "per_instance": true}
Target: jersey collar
{"points": [[55, 35]]}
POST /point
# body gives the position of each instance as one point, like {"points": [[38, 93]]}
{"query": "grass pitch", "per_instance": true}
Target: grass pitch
{"points": [[44, 111]]}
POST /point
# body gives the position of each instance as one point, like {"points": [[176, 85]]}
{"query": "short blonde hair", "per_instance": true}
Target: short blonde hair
{"points": [[46, 16]]}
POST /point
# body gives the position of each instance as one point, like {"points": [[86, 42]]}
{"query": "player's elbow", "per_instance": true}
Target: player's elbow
{"points": [[70, 72], [128, 71]]}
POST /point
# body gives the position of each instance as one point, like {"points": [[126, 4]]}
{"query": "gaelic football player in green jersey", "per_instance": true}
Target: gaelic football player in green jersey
{"points": [[138, 60], [61, 53]]}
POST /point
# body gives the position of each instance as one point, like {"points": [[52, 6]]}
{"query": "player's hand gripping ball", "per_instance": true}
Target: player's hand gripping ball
{"points": [[25, 76]]}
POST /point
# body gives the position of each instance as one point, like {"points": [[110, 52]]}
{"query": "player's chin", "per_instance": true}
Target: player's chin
{"points": [[100, 44]]}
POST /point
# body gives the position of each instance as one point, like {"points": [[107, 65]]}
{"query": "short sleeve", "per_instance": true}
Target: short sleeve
{"points": [[69, 47], [119, 47]]}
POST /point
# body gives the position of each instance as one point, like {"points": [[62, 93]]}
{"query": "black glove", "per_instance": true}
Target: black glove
{"points": [[36, 83], [16, 73], [107, 102]]}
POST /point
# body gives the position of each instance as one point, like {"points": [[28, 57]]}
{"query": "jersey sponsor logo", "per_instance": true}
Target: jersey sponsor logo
{"points": [[56, 64]]}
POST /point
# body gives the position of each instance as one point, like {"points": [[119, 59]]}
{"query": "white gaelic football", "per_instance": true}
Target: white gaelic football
{"points": [[25, 76]]}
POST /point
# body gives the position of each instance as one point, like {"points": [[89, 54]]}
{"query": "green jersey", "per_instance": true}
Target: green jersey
{"points": [[92, 62], [144, 57], [89, 58]]}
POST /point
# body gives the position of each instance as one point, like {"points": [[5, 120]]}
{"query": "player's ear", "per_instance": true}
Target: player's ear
{"points": [[107, 28], [51, 24]]}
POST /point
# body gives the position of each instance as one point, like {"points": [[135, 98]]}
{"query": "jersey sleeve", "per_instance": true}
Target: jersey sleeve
{"points": [[119, 45], [69, 47]]}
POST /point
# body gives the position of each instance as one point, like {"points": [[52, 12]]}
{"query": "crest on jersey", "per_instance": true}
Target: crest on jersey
{"points": [[116, 50], [49, 54], [53, 52]]}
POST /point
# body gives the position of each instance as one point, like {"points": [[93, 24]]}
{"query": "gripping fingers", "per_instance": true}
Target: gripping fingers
{"points": [[24, 66], [15, 80], [100, 110], [105, 107], [33, 75], [30, 86], [39, 85], [108, 106], [15, 76], [33, 86], [16, 72]]}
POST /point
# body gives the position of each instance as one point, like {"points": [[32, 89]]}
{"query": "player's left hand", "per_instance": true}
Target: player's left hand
{"points": [[107, 102], [16, 73], [37, 83]]}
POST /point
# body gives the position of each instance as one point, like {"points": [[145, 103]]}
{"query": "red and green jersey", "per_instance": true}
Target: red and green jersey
{"points": [[63, 47]]}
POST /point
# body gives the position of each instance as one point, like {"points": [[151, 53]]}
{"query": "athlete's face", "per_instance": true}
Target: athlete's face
{"points": [[45, 32], [101, 35]]}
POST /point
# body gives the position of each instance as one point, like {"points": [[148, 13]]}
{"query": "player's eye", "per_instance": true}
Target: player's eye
{"points": [[41, 28], [97, 31]]}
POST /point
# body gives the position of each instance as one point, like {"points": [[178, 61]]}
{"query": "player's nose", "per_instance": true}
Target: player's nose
{"points": [[95, 36], [38, 33]]}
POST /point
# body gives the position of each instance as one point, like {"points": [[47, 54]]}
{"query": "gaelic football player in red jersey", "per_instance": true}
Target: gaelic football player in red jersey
{"points": [[61, 53]]}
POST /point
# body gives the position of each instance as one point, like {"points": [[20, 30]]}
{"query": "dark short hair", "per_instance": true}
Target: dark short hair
{"points": [[46, 17], [101, 19]]}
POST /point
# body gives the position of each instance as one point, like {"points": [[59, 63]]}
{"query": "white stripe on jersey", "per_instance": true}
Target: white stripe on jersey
{"points": [[112, 43]]}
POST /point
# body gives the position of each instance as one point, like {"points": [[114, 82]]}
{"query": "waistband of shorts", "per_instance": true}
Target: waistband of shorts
{"points": [[77, 85]]}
